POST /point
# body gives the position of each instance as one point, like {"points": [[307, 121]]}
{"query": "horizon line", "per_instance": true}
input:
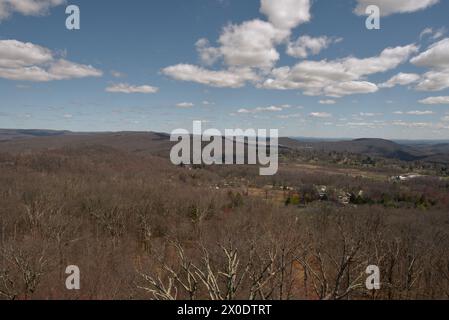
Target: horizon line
{"points": [[166, 133]]}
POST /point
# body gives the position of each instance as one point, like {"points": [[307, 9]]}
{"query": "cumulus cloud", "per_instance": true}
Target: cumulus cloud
{"points": [[402, 123], [350, 87], [389, 59], [436, 57], [251, 44], [27, 7], [401, 79], [246, 49], [16, 54], [63, 69], [232, 78], [389, 7], [306, 45], [328, 102], [371, 125], [415, 112], [289, 116], [425, 32], [265, 109], [185, 105], [249, 53], [434, 81], [320, 115], [434, 35], [127, 88], [286, 14], [339, 77], [369, 114], [419, 112], [117, 74], [30, 62], [208, 54], [435, 100], [439, 33]]}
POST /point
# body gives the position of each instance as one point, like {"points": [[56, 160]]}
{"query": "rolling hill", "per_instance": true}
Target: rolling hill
{"points": [[15, 141]]}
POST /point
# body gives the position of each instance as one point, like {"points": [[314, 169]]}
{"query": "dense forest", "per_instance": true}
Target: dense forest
{"points": [[140, 228]]}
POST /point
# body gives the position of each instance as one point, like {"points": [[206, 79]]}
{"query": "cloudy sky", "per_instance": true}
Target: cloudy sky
{"points": [[307, 68]]}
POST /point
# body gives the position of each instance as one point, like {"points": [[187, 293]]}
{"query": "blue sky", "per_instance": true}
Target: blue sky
{"points": [[307, 68]]}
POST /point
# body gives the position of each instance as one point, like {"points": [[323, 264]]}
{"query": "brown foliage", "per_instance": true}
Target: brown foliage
{"points": [[140, 228]]}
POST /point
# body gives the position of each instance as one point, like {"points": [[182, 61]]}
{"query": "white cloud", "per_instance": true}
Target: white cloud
{"points": [[350, 87], [185, 105], [251, 44], [439, 33], [401, 79], [265, 109], [328, 102], [436, 57], [286, 14], [306, 45], [371, 125], [117, 74], [402, 123], [420, 113], [433, 34], [127, 88], [270, 109], [320, 115], [14, 54], [30, 62], [232, 78], [247, 48], [369, 114], [27, 7], [63, 69], [389, 59], [425, 32], [337, 78], [415, 112], [434, 81], [289, 116], [208, 54], [435, 100], [389, 7], [249, 53]]}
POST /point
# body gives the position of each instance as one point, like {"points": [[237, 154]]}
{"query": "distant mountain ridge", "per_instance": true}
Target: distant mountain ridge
{"points": [[383, 148], [375, 147], [19, 140], [10, 134]]}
